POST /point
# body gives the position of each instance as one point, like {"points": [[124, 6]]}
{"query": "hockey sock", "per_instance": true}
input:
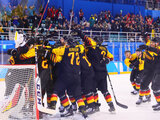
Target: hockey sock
{"points": [[73, 100], [157, 96], [84, 99], [107, 97], [96, 97], [90, 99], [137, 86], [64, 101], [80, 102], [133, 84], [52, 101], [147, 93], [48, 99], [142, 93]]}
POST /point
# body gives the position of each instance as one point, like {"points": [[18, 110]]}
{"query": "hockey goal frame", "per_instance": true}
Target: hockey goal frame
{"points": [[38, 93]]}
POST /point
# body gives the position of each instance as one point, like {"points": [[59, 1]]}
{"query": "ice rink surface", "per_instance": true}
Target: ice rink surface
{"points": [[122, 88]]}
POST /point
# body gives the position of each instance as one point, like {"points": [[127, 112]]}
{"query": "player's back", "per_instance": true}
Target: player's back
{"points": [[95, 56], [71, 61]]}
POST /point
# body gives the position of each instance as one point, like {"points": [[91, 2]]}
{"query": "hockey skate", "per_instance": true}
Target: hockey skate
{"points": [[52, 105], [74, 107], [134, 92], [65, 112], [90, 109], [147, 99], [112, 108], [97, 105], [139, 101], [82, 110], [156, 107]]}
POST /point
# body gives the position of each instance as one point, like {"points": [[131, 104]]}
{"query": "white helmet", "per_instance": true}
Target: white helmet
{"points": [[19, 40]]}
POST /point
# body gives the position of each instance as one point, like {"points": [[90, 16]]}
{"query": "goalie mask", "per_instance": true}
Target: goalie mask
{"points": [[19, 40]]}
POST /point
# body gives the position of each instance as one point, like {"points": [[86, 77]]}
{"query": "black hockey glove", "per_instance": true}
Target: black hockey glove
{"points": [[131, 66], [12, 52], [134, 64], [105, 61]]}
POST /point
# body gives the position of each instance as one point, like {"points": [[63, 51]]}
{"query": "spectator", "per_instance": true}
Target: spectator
{"points": [[81, 15], [25, 11], [92, 21], [31, 10], [21, 22], [15, 19], [31, 13], [25, 21], [71, 14], [5, 18], [60, 17], [49, 12], [47, 22], [53, 14]]}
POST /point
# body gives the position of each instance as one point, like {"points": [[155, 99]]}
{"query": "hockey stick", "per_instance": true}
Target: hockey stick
{"points": [[41, 18], [70, 24], [119, 104]]}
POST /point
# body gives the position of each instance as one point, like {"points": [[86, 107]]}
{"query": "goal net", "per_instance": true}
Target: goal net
{"points": [[18, 92]]}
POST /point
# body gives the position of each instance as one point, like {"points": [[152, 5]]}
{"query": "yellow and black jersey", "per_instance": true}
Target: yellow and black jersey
{"points": [[141, 64], [105, 53], [28, 57], [69, 58], [130, 61], [96, 54], [24, 58], [85, 64]]}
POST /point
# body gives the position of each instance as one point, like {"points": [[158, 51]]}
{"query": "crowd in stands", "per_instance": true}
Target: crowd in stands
{"points": [[24, 17]]}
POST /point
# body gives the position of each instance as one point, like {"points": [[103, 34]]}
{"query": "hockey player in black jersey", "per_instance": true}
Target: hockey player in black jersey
{"points": [[69, 76], [135, 62], [99, 56], [155, 48], [149, 70]]}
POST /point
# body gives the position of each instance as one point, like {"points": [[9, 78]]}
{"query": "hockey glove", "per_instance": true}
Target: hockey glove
{"points": [[105, 61], [12, 52], [131, 66]]}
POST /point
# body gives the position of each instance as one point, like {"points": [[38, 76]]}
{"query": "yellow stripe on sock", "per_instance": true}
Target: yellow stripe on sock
{"points": [[109, 100]]}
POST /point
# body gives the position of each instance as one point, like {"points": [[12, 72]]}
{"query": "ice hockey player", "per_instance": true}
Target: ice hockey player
{"points": [[136, 63], [149, 70], [155, 80], [87, 80], [99, 56], [69, 76], [132, 62], [140, 57]]}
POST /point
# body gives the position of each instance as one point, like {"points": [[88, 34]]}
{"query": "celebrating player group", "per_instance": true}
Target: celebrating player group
{"points": [[68, 70]]}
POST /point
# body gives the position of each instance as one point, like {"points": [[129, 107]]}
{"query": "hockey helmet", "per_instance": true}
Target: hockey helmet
{"points": [[19, 40]]}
